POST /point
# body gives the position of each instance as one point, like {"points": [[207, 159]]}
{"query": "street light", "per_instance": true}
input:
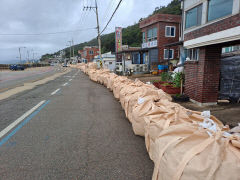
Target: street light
{"points": [[19, 49]]}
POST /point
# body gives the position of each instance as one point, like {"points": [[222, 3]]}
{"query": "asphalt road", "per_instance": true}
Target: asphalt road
{"points": [[78, 132], [10, 79]]}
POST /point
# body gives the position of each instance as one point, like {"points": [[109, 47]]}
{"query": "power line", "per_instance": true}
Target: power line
{"points": [[108, 10], [111, 16], [48, 33]]}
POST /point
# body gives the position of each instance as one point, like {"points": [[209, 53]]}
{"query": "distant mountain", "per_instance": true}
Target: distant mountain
{"points": [[131, 34]]}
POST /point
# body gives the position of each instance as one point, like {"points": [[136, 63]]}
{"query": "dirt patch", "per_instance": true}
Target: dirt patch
{"points": [[145, 78]]}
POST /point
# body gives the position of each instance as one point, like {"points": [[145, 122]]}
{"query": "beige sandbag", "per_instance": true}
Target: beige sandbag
{"points": [[164, 114], [190, 152], [112, 77], [118, 85], [129, 89], [143, 91]]}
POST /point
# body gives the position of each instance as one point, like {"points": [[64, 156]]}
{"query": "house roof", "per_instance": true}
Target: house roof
{"points": [[160, 18]]}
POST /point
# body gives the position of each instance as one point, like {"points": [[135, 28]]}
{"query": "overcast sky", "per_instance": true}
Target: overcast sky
{"points": [[50, 16]]}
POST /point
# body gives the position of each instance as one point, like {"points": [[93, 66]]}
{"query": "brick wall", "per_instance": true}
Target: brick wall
{"points": [[202, 77], [162, 40], [85, 53], [222, 25]]}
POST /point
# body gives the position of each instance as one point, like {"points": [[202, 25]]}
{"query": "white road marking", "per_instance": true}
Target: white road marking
{"points": [[54, 92], [11, 126], [70, 79], [65, 84]]}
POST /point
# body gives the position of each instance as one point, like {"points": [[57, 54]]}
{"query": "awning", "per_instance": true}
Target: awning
{"points": [[174, 44]]}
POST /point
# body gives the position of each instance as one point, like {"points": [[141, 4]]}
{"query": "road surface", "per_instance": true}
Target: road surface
{"points": [[10, 79], [73, 129]]}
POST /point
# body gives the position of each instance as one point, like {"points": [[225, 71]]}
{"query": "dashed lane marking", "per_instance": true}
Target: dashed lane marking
{"points": [[65, 84], [54, 92]]}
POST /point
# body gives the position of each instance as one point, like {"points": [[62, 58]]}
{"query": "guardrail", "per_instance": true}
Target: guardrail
{"points": [[6, 66]]}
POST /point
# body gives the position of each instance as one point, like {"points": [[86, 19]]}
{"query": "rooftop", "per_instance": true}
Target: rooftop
{"points": [[159, 18]]}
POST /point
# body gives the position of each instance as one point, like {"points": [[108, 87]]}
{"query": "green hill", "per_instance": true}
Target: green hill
{"points": [[131, 34]]}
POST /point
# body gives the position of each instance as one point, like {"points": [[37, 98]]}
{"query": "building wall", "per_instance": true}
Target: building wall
{"points": [[161, 21], [202, 77], [216, 31], [222, 25], [86, 55], [162, 40]]}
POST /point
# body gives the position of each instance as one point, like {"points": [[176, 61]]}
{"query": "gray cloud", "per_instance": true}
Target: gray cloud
{"points": [[33, 16]]}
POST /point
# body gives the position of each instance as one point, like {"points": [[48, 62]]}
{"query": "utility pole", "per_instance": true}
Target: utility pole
{"points": [[28, 55], [98, 27], [20, 56], [70, 49], [19, 49], [73, 47]]}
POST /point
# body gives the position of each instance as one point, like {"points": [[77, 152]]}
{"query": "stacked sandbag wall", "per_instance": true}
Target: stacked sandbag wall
{"points": [[183, 144]]}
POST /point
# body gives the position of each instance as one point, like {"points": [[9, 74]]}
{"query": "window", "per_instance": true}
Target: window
{"points": [[91, 52], [152, 34], [194, 17], [219, 8], [143, 37], [168, 53], [149, 35], [110, 62], [193, 54], [170, 31]]}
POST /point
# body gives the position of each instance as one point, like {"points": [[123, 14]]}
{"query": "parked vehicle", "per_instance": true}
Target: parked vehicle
{"points": [[16, 67]]}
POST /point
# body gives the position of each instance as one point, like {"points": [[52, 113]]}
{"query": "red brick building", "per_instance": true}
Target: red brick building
{"points": [[88, 53], [209, 26], [157, 31]]}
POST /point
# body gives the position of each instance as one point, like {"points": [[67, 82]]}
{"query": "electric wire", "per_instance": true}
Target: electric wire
{"points": [[108, 10], [47, 33], [111, 16]]}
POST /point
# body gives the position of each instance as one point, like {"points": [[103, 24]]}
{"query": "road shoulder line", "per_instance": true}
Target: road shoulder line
{"points": [[27, 116]]}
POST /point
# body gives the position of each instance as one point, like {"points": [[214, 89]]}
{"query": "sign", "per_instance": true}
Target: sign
{"points": [[150, 44], [118, 39]]}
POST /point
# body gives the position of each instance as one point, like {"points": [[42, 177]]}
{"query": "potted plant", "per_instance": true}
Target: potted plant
{"points": [[175, 86], [178, 82]]}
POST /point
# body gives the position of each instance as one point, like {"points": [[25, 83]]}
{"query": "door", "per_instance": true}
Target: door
{"points": [[230, 79]]}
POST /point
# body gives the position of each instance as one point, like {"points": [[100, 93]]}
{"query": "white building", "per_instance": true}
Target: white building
{"points": [[108, 60]]}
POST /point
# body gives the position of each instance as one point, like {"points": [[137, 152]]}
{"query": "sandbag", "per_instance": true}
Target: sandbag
{"points": [[144, 91], [165, 114], [143, 106], [190, 152], [118, 85]]}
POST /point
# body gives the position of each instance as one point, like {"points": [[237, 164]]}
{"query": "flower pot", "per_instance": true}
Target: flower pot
{"points": [[156, 84], [172, 90]]}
